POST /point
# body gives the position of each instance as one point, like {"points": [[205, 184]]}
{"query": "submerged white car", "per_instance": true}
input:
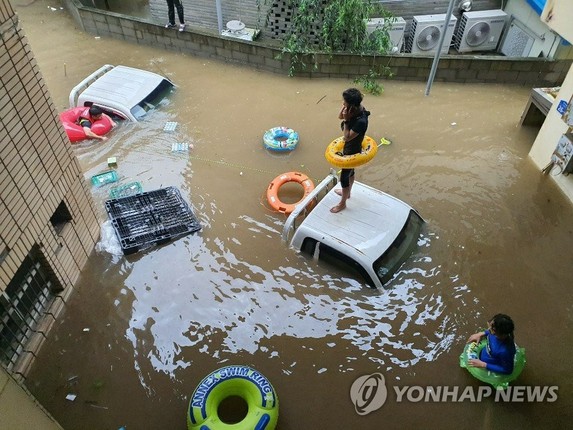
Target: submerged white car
{"points": [[371, 238], [122, 92]]}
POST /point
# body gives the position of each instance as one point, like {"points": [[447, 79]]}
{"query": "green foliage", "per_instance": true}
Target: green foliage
{"points": [[370, 82], [340, 26]]}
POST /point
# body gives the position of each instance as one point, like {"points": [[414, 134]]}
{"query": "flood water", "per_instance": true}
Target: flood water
{"points": [[140, 332]]}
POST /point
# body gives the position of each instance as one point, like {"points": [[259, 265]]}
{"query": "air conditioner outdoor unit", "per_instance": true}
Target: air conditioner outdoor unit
{"points": [[396, 31], [517, 40], [425, 34], [480, 30]]}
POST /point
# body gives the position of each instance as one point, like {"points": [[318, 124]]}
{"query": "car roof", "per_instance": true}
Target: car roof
{"points": [[121, 88], [364, 230]]}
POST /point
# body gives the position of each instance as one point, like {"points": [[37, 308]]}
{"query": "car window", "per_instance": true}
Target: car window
{"points": [[152, 100], [331, 256], [389, 262]]}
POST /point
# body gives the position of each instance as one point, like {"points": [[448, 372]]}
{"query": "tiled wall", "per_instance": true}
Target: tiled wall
{"points": [[18, 409], [38, 172]]}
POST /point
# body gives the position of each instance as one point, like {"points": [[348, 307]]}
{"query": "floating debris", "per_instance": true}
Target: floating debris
{"points": [[104, 178], [98, 383], [71, 397], [126, 190], [179, 147], [150, 218], [94, 404], [170, 126]]}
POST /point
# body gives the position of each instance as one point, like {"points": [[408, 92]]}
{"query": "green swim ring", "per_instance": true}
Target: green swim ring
{"points": [[240, 381], [499, 381]]}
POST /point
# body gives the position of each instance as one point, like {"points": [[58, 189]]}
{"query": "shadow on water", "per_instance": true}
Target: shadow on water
{"points": [[160, 320]]}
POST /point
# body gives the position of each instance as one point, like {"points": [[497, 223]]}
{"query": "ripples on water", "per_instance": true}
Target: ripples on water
{"points": [[174, 311], [182, 296], [235, 288]]}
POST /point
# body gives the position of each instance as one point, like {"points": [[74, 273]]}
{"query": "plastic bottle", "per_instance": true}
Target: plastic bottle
{"points": [[472, 353]]}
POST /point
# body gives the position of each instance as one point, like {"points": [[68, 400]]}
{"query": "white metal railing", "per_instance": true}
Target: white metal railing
{"points": [[74, 93], [303, 207]]}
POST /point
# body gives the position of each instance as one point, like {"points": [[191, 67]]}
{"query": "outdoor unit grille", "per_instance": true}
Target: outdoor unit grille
{"points": [[396, 32], [479, 31], [425, 34], [518, 40]]}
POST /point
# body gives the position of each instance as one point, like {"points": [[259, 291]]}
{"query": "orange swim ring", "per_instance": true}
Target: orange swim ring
{"points": [[279, 181]]}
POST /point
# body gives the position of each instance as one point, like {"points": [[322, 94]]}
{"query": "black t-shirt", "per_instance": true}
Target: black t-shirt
{"points": [[358, 124]]}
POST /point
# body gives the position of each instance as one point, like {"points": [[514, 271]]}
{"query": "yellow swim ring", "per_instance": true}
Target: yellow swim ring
{"points": [[334, 155]]}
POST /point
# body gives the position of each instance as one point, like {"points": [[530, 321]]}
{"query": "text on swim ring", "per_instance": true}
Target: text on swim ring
{"points": [[203, 390]]}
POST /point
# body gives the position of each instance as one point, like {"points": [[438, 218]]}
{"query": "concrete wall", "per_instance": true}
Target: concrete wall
{"points": [[546, 41], [38, 172], [550, 133], [204, 14], [19, 410], [208, 43], [558, 14]]}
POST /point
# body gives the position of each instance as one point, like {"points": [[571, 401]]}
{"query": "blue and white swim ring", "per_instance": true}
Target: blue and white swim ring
{"points": [[280, 139]]}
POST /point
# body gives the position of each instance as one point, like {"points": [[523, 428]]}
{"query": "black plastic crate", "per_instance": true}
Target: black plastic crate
{"points": [[150, 218]]}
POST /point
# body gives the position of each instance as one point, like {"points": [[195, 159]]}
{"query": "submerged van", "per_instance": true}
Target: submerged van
{"points": [[371, 238], [121, 92]]}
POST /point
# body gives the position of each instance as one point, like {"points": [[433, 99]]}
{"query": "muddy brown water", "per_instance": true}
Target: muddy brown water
{"points": [[497, 239]]}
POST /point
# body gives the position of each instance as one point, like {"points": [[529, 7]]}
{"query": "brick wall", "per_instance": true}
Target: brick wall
{"points": [[38, 172], [262, 55]]}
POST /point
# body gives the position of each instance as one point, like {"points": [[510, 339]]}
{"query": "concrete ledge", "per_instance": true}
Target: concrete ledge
{"points": [[535, 72]]}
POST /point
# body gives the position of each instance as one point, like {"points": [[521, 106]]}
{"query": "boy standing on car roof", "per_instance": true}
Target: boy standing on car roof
{"points": [[354, 125]]}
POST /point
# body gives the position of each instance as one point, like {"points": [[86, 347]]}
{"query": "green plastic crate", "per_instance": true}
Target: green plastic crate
{"points": [[126, 190], [104, 178]]}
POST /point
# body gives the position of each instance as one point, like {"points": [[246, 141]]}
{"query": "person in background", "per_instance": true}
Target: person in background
{"points": [[499, 353], [354, 125], [88, 117], [171, 5]]}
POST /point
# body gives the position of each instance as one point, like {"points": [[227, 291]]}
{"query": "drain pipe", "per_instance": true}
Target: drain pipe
{"points": [[439, 51], [219, 15]]}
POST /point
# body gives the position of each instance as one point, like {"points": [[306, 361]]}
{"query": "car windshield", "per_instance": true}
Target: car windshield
{"points": [[152, 100], [387, 264]]}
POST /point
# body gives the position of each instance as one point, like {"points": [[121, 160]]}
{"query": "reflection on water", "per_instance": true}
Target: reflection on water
{"points": [[247, 303], [165, 317]]}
